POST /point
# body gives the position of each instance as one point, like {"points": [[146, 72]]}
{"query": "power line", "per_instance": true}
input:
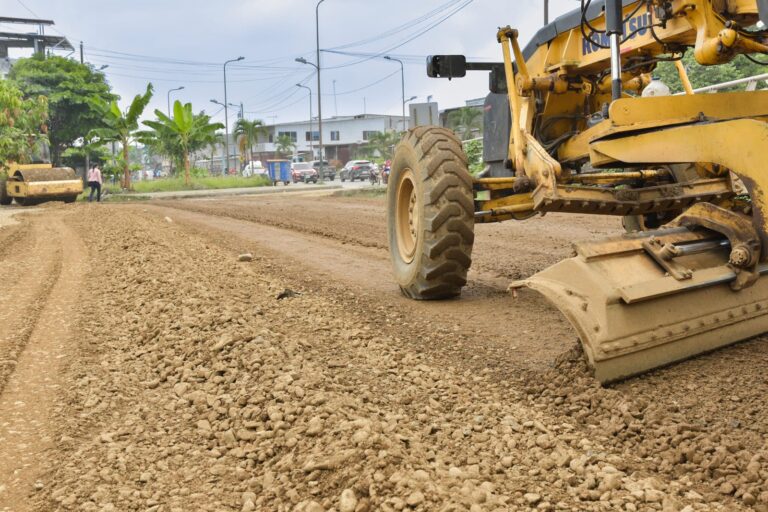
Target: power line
{"points": [[400, 28], [403, 43], [377, 82]]}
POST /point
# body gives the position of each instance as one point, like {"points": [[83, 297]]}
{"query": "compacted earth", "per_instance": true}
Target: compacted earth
{"points": [[254, 354]]}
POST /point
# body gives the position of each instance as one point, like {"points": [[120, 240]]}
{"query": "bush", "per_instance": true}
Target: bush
{"points": [[198, 172], [474, 150]]}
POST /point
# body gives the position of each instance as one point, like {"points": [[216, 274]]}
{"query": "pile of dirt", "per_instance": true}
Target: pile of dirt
{"points": [[198, 388], [708, 452]]}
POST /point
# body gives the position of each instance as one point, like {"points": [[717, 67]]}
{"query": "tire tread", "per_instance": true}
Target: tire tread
{"points": [[449, 214]]}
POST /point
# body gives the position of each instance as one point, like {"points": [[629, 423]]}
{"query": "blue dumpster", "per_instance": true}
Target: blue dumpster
{"points": [[279, 170]]}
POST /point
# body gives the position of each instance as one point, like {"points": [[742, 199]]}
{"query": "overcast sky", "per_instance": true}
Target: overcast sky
{"points": [[185, 42]]}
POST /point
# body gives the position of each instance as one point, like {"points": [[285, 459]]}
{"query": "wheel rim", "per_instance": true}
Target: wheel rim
{"points": [[407, 217]]}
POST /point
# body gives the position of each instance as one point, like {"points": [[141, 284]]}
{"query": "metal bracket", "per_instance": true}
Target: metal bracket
{"points": [[664, 255], [741, 233]]}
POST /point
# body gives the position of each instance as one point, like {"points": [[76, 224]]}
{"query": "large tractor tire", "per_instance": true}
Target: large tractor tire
{"points": [[430, 214]]}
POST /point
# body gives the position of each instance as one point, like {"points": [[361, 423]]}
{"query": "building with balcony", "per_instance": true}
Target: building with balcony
{"points": [[342, 136]]}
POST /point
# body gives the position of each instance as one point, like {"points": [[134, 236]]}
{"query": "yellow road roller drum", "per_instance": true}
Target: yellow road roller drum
{"points": [[37, 183]]}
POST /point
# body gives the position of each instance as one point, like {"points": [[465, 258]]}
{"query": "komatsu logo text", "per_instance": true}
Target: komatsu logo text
{"points": [[634, 27]]}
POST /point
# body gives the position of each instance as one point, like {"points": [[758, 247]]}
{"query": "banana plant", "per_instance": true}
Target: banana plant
{"points": [[121, 126], [190, 132]]}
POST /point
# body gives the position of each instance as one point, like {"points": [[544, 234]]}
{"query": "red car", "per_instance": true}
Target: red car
{"points": [[304, 172]]}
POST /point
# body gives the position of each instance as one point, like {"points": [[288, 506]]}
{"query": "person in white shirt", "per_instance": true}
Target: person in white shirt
{"points": [[94, 181]]}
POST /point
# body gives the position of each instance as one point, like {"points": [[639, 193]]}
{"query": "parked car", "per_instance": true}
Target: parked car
{"points": [[303, 171], [328, 171], [254, 168], [356, 170]]}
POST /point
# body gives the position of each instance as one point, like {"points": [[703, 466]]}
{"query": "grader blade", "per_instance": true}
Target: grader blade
{"points": [[634, 310]]}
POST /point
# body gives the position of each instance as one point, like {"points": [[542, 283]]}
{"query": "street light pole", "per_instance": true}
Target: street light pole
{"points": [[319, 93], [546, 12], [402, 83], [169, 98], [226, 114], [311, 134]]}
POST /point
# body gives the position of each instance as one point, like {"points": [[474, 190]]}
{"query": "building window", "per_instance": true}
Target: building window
{"points": [[294, 137], [367, 134], [271, 138], [335, 135], [315, 136]]}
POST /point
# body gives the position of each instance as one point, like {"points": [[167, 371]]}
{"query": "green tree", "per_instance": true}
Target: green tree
{"points": [[22, 124], [248, 133], [466, 122], [189, 131], [382, 143], [284, 145], [703, 76], [121, 126], [71, 89]]}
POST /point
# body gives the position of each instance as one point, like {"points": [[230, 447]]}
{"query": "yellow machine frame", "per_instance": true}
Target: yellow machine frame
{"points": [[34, 183], [583, 140]]}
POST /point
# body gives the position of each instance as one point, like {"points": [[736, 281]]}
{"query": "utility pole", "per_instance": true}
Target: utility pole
{"points": [[402, 84], [226, 113], [311, 134], [169, 98], [82, 60], [319, 93], [546, 12]]}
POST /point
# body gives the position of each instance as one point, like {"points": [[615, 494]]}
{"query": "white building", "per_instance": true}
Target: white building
{"points": [[341, 135]]}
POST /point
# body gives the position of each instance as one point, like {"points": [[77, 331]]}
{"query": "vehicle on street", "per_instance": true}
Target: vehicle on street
{"points": [[326, 170], [356, 170], [304, 172], [254, 168]]}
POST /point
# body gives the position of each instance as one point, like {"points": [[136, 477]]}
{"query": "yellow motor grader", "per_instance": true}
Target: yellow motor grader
{"points": [[568, 129]]}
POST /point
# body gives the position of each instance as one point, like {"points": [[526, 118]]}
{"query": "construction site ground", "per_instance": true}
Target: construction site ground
{"points": [[144, 367]]}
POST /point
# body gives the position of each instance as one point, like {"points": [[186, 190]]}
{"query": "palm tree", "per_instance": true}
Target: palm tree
{"points": [[248, 133], [191, 132], [121, 126], [285, 145], [383, 143], [465, 122]]}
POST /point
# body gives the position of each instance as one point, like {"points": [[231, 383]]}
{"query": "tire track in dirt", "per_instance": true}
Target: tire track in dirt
{"points": [[27, 401], [30, 268], [485, 312]]}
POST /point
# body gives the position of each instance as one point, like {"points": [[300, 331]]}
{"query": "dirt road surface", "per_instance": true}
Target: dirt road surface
{"points": [[144, 367]]}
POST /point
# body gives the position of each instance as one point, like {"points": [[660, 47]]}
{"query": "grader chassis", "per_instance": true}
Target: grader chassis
{"points": [[566, 130]]}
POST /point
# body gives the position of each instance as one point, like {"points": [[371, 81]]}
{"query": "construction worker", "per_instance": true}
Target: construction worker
{"points": [[94, 181]]}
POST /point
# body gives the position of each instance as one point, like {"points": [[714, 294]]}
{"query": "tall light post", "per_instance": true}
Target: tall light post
{"points": [[226, 113], [402, 83], [169, 98], [226, 107], [546, 12], [319, 90], [311, 134], [320, 121], [319, 93]]}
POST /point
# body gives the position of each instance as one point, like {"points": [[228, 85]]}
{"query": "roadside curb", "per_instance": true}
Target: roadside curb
{"points": [[191, 194]]}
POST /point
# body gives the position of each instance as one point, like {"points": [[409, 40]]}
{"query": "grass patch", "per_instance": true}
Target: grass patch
{"points": [[177, 184], [377, 192]]}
